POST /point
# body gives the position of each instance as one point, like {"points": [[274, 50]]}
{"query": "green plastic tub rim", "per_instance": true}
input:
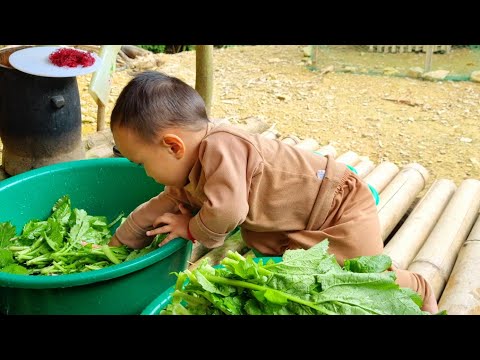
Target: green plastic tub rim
{"points": [[161, 301], [86, 163], [88, 277]]}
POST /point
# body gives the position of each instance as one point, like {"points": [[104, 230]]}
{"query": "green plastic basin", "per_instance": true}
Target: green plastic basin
{"points": [[101, 187], [165, 298]]}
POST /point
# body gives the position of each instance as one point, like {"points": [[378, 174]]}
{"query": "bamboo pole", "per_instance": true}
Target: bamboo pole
{"points": [[327, 150], [408, 240], [437, 256], [291, 140], [382, 175], [349, 158], [308, 144], [462, 292], [364, 167], [204, 73], [399, 194], [253, 125], [270, 133]]}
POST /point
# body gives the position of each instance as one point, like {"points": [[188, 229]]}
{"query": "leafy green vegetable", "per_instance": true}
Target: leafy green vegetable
{"points": [[68, 241], [6, 258], [306, 282], [14, 269], [368, 264], [7, 232]]}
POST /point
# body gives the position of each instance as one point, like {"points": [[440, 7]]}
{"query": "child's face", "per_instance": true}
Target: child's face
{"points": [[161, 161]]}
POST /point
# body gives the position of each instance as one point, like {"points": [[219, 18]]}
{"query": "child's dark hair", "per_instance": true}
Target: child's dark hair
{"points": [[153, 101]]}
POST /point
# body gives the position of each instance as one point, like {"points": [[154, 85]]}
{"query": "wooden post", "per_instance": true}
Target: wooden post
{"points": [[428, 58], [462, 292], [408, 240], [399, 194], [314, 55], [100, 116], [437, 256], [204, 74]]}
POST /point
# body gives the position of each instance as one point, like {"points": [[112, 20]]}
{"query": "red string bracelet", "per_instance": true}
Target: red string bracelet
{"points": [[190, 236]]}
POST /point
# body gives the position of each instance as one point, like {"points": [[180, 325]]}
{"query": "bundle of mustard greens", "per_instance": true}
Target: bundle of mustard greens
{"points": [[305, 282], [68, 241]]}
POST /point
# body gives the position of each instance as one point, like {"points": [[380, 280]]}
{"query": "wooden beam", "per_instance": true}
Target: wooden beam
{"points": [[100, 116]]}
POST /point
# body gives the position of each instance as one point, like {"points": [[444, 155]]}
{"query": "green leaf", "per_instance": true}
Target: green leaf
{"points": [[7, 232], [62, 210], [6, 257], [54, 234], [364, 293], [15, 269], [253, 307], [275, 297], [147, 249], [296, 274], [368, 264], [82, 225], [211, 287], [245, 268], [32, 230]]}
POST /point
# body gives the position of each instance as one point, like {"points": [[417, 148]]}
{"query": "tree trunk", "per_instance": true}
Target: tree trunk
{"points": [[204, 74]]}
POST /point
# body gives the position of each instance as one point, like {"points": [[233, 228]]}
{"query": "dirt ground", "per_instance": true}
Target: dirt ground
{"points": [[432, 123]]}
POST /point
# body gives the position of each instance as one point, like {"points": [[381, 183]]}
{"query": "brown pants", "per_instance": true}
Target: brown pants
{"points": [[347, 216]]}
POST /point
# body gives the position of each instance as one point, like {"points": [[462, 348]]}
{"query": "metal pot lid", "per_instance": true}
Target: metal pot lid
{"points": [[35, 61]]}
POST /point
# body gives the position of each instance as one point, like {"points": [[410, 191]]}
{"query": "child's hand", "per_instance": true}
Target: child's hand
{"points": [[174, 224]]}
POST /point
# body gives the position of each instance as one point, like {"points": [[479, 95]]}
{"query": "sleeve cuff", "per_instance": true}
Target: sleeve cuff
{"points": [[131, 234], [201, 233]]}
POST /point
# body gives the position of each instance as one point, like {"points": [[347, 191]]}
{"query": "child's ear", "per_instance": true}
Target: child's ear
{"points": [[175, 145]]}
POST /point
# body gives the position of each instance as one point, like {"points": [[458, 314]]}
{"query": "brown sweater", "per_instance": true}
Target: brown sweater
{"points": [[281, 196]]}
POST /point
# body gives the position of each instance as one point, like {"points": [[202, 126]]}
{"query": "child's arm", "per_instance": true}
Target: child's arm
{"points": [[228, 167], [133, 230], [417, 283]]}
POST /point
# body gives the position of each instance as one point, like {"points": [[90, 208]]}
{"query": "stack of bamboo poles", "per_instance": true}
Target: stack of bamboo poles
{"points": [[408, 48]]}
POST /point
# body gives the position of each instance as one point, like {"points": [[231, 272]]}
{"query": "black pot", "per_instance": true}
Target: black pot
{"points": [[40, 120]]}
